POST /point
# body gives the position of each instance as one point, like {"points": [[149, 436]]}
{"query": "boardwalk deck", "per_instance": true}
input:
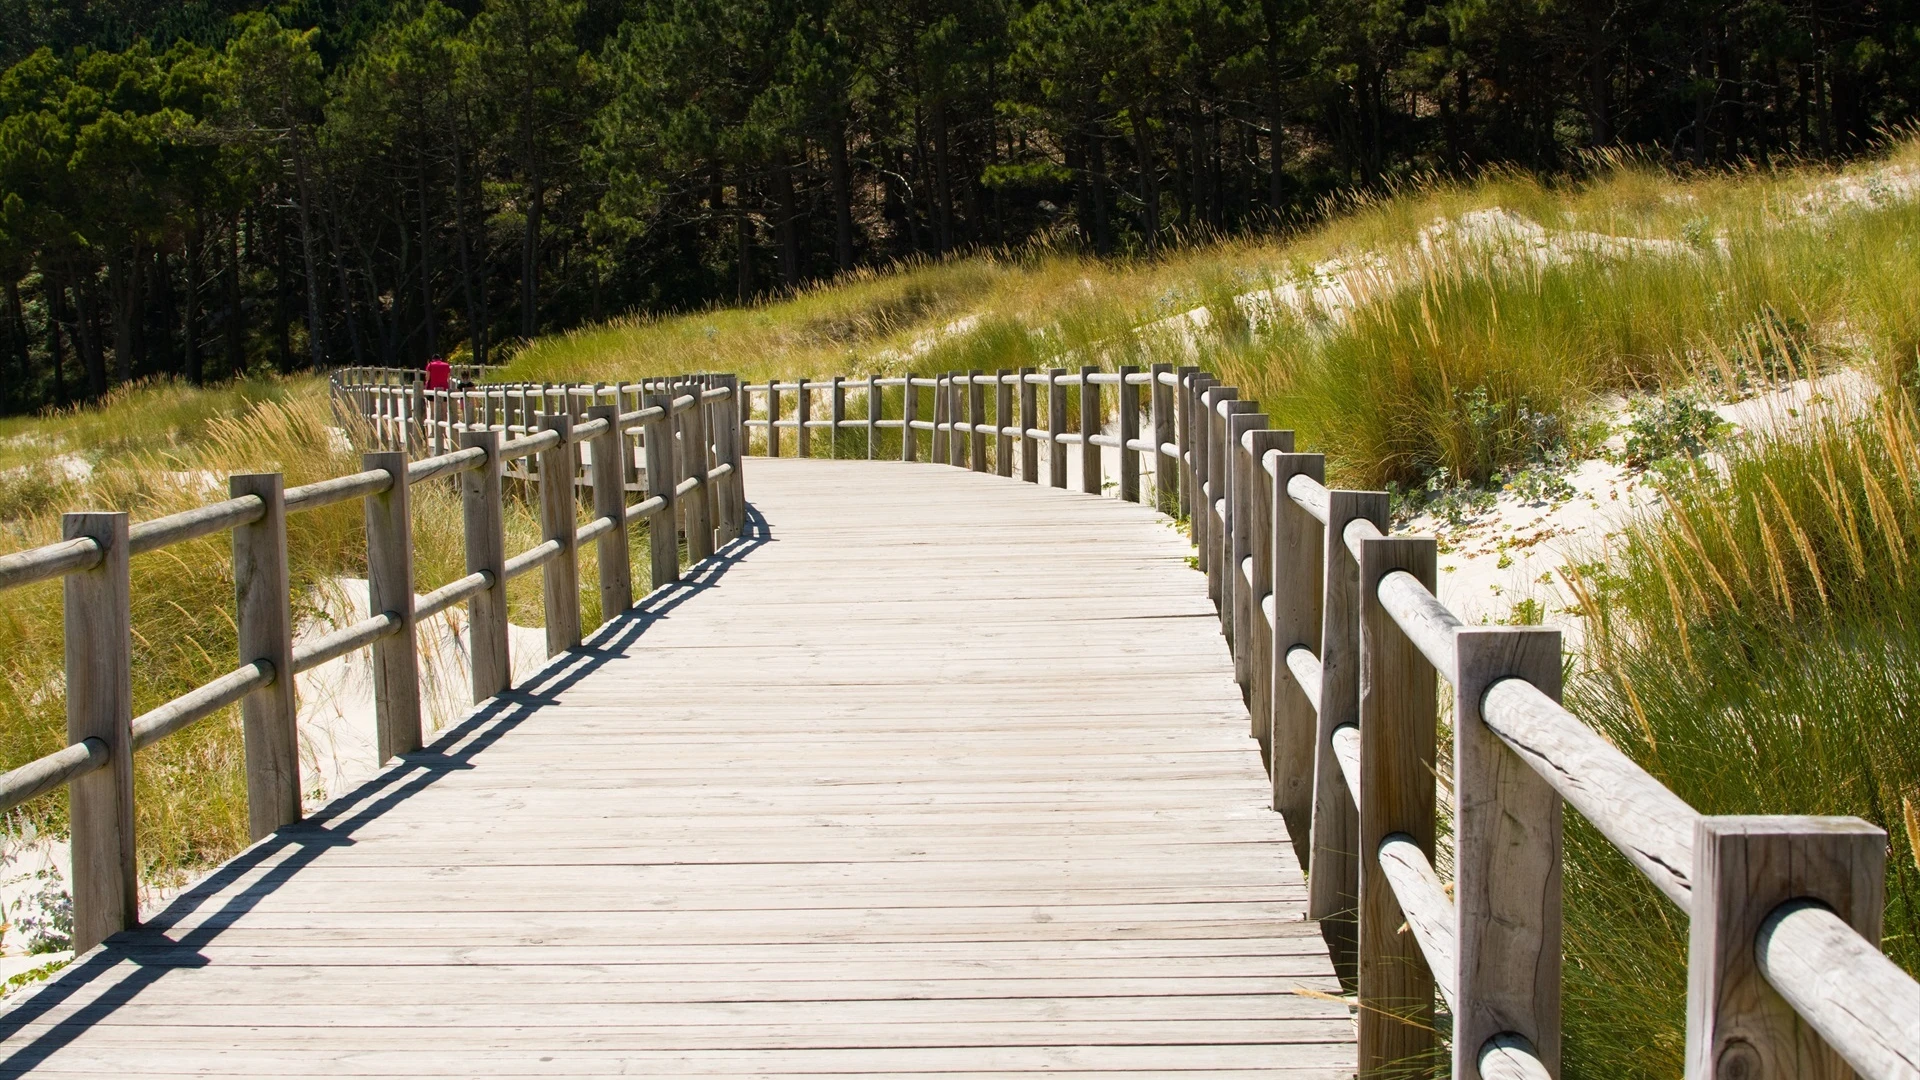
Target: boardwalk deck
{"points": [[933, 773]]}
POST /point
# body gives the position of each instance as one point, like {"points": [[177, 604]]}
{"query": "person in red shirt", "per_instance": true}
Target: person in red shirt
{"points": [[438, 373]]}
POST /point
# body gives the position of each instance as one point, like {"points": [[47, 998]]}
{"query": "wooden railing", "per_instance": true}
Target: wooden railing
{"points": [[693, 475], [403, 376], [1339, 642]]}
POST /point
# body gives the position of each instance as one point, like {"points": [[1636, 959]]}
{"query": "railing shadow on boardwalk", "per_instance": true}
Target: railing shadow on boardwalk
{"points": [[152, 950]]}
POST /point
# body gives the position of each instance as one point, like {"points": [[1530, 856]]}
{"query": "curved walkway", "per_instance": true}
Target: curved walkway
{"points": [[935, 772]]}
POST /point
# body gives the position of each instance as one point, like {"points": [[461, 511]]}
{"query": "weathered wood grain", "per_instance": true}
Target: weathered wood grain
{"points": [[99, 667], [1507, 858], [264, 623], [396, 664], [1738, 1026]]}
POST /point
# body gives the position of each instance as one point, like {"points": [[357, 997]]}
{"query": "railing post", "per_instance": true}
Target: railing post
{"points": [[773, 418], [956, 412], [873, 416], [1237, 537], [1056, 427], [1029, 421], [1206, 520], [1166, 484], [976, 415], [396, 667], [1506, 842], [1185, 397], [486, 536], [1333, 875], [1089, 427], [99, 644], [560, 579], [1258, 632], [1221, 400], [263, 609], [416, 415], [909, 413], [1297, 581], [937, 454], [1002, 413], [1738, 1026], [695, 463], [731, 450], [663, 539], [1128, 407], [1398, 721], [836, 415], [803, 413], [610, 501]]}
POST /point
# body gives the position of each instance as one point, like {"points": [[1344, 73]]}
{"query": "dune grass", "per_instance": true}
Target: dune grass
{"points": [[152, 451], [1756, 648]]}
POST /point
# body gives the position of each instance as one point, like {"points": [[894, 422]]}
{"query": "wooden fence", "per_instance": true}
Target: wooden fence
{"points": [[406, 376], [1339, 643], [686, 431]]}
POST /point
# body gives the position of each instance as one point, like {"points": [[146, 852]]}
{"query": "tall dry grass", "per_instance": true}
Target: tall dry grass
{"points": [[190, 788]]}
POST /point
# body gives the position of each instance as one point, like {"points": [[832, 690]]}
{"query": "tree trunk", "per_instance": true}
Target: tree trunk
{"points": [[17, 337], [92, 355], [743, 233], [1149, 182], [236, 327], [426, 262], [1097, 169], [190, 315], [1082, 189], [56, 349], [476, 303], [842, 195], [309, 256], [789, 236], [123, 298], [942, 177]]}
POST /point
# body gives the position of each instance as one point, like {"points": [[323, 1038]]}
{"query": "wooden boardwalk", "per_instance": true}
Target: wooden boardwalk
{"points": [[933, 773]]}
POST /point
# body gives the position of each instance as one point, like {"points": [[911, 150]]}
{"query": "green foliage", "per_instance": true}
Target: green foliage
{"points": [[1672, 425]]}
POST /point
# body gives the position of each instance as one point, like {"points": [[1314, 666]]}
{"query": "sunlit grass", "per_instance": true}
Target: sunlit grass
{"points": [[1756, 648]]}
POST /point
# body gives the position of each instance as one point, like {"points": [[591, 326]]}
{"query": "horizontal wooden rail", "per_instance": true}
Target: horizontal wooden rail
{"points": [[686, 425]]}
